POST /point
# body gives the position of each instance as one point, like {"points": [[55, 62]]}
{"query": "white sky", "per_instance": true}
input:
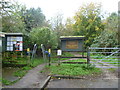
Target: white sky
{"points": [[67, 7]]}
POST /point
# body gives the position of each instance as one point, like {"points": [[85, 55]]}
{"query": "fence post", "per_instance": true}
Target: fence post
{"points": [[49, 52], [82, 53], [88, 55]]}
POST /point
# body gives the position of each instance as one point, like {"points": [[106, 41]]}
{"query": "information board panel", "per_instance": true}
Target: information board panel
{"points": [[71, 44], [14, 42]]}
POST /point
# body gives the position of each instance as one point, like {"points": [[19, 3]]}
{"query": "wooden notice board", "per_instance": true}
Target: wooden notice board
{"points": [[72, 44]]}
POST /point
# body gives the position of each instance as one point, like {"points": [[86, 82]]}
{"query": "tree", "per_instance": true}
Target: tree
{"points": [[88, 22], [33, 18], [43, 36], [69, 31], [109, 37], [57, 26], [11, 17]]}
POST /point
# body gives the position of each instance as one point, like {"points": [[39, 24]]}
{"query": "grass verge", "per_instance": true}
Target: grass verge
{"points": [[73, 69]]}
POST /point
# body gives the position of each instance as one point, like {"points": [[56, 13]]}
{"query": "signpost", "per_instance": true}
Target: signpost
{"points": [[59, 53]]}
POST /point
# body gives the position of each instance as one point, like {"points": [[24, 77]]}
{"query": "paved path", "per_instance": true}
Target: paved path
{"points": [[33, 79]]}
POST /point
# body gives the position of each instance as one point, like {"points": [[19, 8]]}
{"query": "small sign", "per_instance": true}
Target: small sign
{"points": [[59, 52], [0, 42], [49, 50], [28, 49]]}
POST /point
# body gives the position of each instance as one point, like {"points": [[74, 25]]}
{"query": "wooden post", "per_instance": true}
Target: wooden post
{"points": [[28, 56], [49, 60], [82, 53], [59, 53], [49, 52], [28, 61], [58, 60], [88, 55]]}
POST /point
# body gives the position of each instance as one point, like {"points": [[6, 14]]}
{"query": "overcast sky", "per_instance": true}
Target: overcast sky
{"points": [[67, 7]]}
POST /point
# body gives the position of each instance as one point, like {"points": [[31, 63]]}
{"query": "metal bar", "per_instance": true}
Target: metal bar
{"points": [[104, 59], [76, 62], [73, 57], [75, 51], [105, 66], [103, 48], [105, 56], [103, 52], [106, 62], [111, 62]]}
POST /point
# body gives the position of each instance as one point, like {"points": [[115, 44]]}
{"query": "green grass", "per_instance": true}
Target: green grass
{"points": [[36, 62], [17, 60], [85, 54], [7, 82], [73, 69]]}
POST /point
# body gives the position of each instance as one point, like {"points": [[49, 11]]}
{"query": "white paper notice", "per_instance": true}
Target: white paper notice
{"points": [[0, 42], [59, 52]]}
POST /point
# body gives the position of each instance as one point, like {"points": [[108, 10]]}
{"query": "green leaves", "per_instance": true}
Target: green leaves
{"points": [[109, 37], [33, 18], [88, 22], [11, 17], [43, 36]]}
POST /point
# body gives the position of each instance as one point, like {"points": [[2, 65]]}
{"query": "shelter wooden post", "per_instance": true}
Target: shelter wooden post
{"points": [[88, 55], [82, 53]]}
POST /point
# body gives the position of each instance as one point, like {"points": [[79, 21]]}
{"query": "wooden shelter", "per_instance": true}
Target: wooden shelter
{"points": [[72, 43]]}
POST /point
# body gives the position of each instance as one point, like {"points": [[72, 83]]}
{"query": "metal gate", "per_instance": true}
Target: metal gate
{"points": [[105, 57]]}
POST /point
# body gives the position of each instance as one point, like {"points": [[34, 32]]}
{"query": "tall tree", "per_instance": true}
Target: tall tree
{"points": [[11, 17], [88, 22], [109, 37], [69, 31], [33, 18], [57, 26], [43, 36]]}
